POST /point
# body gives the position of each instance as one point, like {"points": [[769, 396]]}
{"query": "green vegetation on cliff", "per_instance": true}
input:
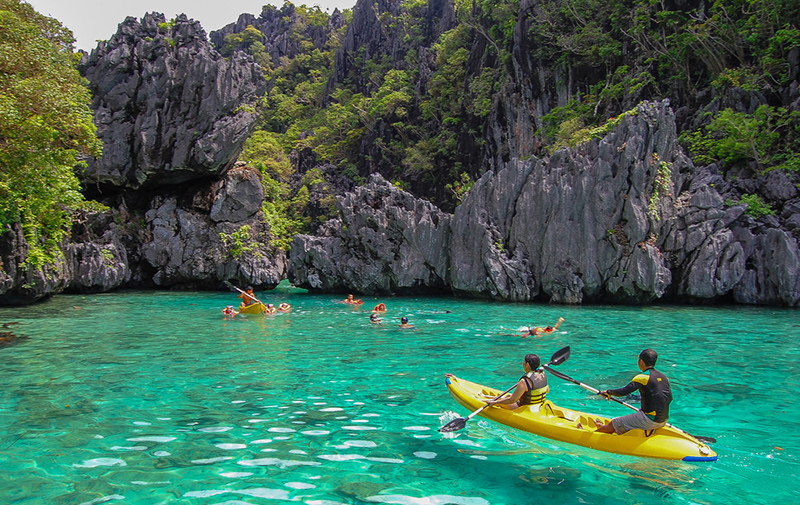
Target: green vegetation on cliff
{"points": [[45, 127]]}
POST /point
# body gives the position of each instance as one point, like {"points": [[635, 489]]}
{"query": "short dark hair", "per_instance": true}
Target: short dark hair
{"points": [[532, 360], [648, 357]]}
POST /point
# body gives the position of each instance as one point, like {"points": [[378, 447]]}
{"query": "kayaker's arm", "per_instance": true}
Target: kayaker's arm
{"points": [[519, 389], [623, 391]]}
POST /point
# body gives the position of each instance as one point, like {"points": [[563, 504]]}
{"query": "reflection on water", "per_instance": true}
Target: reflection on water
{"points": [[147, 398]]}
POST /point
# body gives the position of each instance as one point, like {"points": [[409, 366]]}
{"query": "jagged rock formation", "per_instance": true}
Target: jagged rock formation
{"points": [[199, 246], [168, 107], [386, 241], [623, 219], [173, 116], [277, 25]]}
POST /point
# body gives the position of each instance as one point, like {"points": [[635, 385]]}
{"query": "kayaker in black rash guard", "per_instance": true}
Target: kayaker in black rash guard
{"points": [[531, 388], [656, 397]]}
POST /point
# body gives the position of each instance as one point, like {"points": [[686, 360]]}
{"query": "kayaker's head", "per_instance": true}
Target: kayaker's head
{"points": [[249, 289], [533, 361], [647, 359]]}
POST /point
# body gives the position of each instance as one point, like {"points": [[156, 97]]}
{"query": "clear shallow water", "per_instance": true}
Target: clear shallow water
{"points": [[151, 398]]}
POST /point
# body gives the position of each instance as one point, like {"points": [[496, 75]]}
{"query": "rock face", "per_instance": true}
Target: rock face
{"points": [[173, 115], [278, 25], [198, 247], [623, 219], [385, 242], [168, 107]]}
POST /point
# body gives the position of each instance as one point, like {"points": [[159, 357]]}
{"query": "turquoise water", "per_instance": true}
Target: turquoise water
{"points": [[151, 398]]}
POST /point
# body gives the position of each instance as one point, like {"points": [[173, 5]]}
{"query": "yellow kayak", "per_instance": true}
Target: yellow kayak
{"points": [[557, 423], [253, 308]]}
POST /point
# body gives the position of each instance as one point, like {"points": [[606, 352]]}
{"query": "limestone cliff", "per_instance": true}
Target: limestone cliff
{"points": [[623, 219], [168, 107]]}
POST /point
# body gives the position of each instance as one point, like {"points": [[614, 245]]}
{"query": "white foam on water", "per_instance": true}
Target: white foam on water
{"points": [[300, 485], [236, 475], [332, 409], [142, 423], [228, 447], [439, 499], [281, 463], [371, 415], [216, 429], [281, 430], [262, 492], [417, 428], [425, 454], [104, 499], [262, 441], [209, 461], [152, 439], [130, 448], [162, 454], [94, 463], [315, 432], [359, 428], [205, 494]]}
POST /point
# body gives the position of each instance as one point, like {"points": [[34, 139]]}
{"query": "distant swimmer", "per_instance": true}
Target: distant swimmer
{"points": [[539, 330], [374, 319], [353, 301], [381, 307], [536, 331], [284, 307], [404, 323], [270, 309], [229, 311]]}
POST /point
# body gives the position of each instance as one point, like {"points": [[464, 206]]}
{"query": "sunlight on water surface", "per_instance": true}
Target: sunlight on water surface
{"points": [[150, 398]]}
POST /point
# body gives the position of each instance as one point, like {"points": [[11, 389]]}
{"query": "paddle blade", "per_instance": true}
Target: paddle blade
{"points": [[559, 356], [454, 425]]}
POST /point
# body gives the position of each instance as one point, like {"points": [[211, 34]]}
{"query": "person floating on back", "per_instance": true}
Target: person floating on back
{"points": [[531, 389], [229, 311], [656, 397]]}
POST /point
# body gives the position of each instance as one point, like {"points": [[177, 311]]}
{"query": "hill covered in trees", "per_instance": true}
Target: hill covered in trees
{"points": [[433, 94]]}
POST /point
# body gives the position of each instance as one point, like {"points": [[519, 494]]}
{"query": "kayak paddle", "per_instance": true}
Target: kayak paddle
{"points": [[244, 292], [559, 357], [707, 440]]}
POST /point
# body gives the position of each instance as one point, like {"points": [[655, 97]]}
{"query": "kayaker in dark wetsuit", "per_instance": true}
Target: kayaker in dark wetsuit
{"points": [[656, 397], [531, 388]]}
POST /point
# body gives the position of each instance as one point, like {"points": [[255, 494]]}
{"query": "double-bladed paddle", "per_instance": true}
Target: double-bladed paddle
{"points": [[245, 293], [707, 440], [456, 424]]}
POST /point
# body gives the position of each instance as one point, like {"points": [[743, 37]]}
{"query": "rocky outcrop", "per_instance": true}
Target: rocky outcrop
{"points": [[199, 247], [385, 242], [623, 219], [168, 107], [19, 282], [278, 26]]}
